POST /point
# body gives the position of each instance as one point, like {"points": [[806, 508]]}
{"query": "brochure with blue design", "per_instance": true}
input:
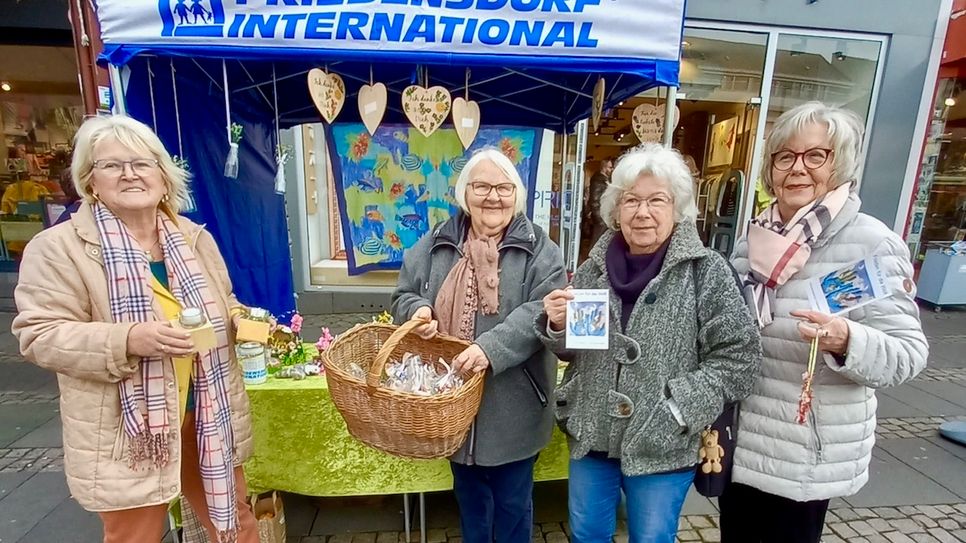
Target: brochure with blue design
{"points": [[588, 319], [850, 287]]}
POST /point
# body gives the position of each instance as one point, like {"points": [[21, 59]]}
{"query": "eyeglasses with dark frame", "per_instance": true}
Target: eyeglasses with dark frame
{"points": [[813, 158], [140, 166], [483, 189]]}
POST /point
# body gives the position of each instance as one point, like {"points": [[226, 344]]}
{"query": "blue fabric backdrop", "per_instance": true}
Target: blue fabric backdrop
{"points": [[245, 215]]}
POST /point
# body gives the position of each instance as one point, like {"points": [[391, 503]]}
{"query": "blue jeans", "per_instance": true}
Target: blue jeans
{"points": [[496, 502], [653, 502]]}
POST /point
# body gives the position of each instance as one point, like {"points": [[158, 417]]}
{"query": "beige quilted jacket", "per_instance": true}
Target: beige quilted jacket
{"points": [[64, 324]]}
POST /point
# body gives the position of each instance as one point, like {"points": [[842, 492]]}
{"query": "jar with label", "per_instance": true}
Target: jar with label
{"points": [[251, 355]]}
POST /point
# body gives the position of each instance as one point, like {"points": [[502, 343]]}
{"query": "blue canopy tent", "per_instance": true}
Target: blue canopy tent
{"points": [[531, 63]]}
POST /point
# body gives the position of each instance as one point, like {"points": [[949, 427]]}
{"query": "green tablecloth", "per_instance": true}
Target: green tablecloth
{"points": [[302, 446]]}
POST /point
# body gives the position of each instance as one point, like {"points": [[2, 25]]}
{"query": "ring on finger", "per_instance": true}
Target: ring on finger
{"points": [[164, 348]]}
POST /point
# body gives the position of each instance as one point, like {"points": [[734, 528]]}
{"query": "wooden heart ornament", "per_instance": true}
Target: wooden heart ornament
{"points": [[328, 93], [426, 108], [648, 122], [466, 119], [372, 105], [597, 106]]}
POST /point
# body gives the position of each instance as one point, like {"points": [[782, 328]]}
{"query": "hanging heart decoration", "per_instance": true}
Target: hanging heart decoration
{"points": [[372, 105], [597, 106], [328, 93], [648, 122], [466, 119], [426, 108]]}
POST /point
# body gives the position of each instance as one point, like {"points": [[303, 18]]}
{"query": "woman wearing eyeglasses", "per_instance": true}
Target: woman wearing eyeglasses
{"points": [[681, 345], [480, 276], [785, 472], [146, 417]]}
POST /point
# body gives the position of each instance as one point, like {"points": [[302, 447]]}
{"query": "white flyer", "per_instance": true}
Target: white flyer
{"points": [[845, 289], [588, 319]]}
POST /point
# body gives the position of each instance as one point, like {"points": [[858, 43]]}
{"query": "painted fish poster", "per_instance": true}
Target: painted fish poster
{"points": [[395, 186]]}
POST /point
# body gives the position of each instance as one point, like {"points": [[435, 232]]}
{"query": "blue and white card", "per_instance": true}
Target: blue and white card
{"points": [[588, 319]]}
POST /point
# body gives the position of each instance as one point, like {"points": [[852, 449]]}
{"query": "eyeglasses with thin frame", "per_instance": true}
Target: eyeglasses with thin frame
{"points": [[112, 167], [482, 189], [631, 203], [813, 158]]}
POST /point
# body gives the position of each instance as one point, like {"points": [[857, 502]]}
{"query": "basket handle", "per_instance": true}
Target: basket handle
{"points": [[375, 371]]}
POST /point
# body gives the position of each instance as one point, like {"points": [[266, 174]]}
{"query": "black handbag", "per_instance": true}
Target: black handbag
{"points": [[717, 453], [718, 441]]}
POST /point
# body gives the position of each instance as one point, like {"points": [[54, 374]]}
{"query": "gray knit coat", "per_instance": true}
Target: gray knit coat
{"points": [[515, 420], [690, 337]]}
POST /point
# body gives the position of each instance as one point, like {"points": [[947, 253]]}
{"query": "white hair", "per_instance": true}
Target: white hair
{"points": [[657, 161], [139, 138], [845, 131], [504, 165]]}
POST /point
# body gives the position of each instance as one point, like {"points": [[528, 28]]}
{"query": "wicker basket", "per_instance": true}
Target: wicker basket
{"points": [[399, 423]]}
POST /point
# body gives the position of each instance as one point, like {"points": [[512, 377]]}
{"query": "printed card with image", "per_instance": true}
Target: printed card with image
{"points": [[588, 319], [850, 287]]}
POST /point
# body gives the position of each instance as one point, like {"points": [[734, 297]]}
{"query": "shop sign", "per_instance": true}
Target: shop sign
{"points": [[627, 29]]}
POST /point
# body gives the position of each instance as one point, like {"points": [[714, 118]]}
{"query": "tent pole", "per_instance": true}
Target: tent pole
{"points": [[117, 86], [669, 102]]}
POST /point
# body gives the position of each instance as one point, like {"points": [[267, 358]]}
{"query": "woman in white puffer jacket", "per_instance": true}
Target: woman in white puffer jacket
{"points": [[785, 472]]}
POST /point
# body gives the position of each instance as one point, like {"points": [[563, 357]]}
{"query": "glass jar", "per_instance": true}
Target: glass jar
{"points": [[192, 317], [251, 355]]}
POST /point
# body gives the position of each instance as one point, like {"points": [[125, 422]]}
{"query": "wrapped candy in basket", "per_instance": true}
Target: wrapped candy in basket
{"points": [[373, 384]]}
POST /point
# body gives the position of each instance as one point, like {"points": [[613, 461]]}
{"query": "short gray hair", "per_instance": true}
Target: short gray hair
{"points": [[505, 166], [137, 137], [657, 161], [845, 131]]}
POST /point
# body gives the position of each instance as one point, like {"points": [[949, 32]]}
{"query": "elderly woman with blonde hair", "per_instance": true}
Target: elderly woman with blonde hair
{"points": [[793, 456], [480, 276], [682, 345], [146, 415]]}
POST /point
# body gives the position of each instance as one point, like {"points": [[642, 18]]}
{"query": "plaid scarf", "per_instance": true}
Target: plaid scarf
{"points": [[144, 413], [777, 250]]}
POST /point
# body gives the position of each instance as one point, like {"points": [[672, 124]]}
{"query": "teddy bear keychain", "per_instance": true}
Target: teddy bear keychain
{"points": [[711, 453]]}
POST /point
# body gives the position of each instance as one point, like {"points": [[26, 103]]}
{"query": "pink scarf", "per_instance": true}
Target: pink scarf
{"points": [[473, 284], [777, 251], [143, 408]]}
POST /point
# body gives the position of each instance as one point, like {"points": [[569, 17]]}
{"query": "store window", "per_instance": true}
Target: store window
{"points": [[939, 208], [40, 110]]}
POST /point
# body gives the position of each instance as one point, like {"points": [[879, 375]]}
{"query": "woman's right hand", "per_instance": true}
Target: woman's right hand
{"points": [[158, 338], [555, 306], [431, 328]]}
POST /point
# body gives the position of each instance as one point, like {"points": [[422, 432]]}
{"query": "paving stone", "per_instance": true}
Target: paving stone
{"points": [[364, 538], [710, 535], [905, 525], [924, 538], [700, 522], [832, 539], [436, 536], [887, 512], [877, 538], [847, 514], [862, 527], [344, 538], [843, 530], [898, 537], [864, 513], [924, 521], [621, 538], [550, 527], [453, 532], [683, 524], [908, 510], [948, 524], [556, 537], [942, 535], [946, 509], [879, 525], [931, 512], [688, 535]]}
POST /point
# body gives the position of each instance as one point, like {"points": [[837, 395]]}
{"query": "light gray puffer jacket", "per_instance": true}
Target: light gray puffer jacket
{"points": [[689, 336], [829, 456]]}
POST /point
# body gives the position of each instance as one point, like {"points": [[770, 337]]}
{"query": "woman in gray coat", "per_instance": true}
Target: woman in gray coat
{"points": [[480, 276], [682, 344]]}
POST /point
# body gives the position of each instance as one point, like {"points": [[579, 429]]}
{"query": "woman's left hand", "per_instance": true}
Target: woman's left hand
{"points": [[472, 360], [832, 332]]}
